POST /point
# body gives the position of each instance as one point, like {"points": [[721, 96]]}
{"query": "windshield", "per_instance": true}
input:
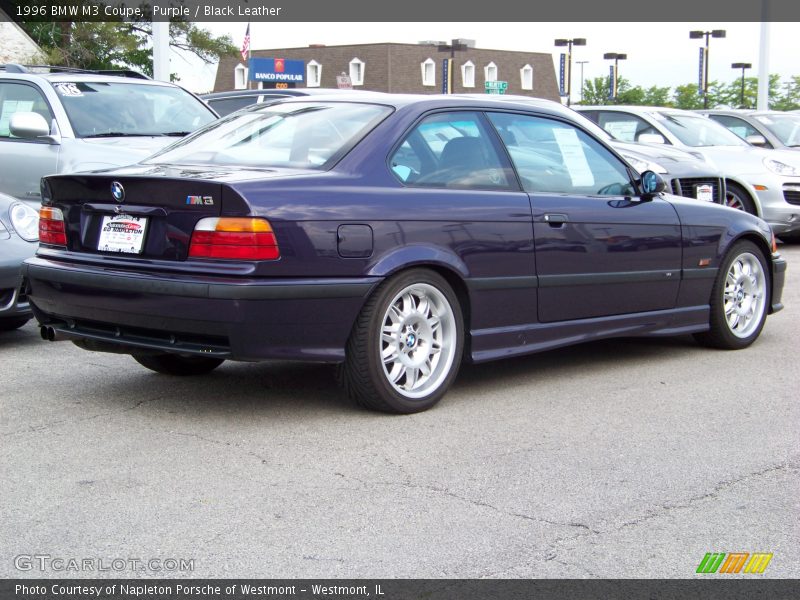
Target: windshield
{"points": [[303, 135], [698, 131], [105, 109], [785, 127]]}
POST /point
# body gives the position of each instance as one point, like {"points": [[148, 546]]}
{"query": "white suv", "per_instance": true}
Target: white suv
{"points": [[56, 120]]}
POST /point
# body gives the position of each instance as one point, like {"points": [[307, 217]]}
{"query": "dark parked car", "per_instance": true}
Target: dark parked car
{"points": [[394, 235]]}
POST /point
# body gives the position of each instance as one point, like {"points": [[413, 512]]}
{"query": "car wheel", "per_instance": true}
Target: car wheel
{"points": [[739, 299], [11, 323], [406, 345], [737, 198], [172, 364]]}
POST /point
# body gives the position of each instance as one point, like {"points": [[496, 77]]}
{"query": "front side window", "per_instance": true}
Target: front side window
{"points": [[622, 126], [696, 131], [785, 127], [451, 150], [17, 97], [736, 125], [302, 135], [106, 109], [555, 157]]}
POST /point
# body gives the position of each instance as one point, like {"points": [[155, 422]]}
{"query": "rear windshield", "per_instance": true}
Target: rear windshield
{"points": [[698, 131], [303, 135], [105, 109]]}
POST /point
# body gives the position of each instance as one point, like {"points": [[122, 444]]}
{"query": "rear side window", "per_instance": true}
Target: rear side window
{"points": [[452, 150], [736, 125], [555, 157], [225, 106], [18, 97]]}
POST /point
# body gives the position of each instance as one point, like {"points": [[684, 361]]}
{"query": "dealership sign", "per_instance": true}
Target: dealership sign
{"points": [[277, 70]]}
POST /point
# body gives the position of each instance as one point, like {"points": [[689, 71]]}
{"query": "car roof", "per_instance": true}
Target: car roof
{"points": [[636, 109], [434, 101], [281, 92], [55, 74], [745, 112]]}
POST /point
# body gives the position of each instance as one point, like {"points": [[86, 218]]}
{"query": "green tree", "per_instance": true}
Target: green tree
{"points": [[595, 91], [687, 97], [120, 45]]}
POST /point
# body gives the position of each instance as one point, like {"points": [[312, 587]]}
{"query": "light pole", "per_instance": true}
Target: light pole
{"points": [[696, 35], [447, 83], [742, 66], [569, 44], [616, 57], [581, 63]]}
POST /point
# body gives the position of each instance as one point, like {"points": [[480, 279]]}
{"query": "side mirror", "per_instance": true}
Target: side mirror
{"points": [[652, 184], [28, 125], [651, 138], [756, 140]]}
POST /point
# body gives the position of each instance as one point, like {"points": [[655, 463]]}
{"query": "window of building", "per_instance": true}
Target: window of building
{"points": [[357, 71], [428, 72], [468, 74], [490, 72], [240, 77], [526, 77], [313, 74]]}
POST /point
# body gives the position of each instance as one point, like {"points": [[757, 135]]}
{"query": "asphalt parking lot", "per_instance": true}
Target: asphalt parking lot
{"points": [[625, 458]]}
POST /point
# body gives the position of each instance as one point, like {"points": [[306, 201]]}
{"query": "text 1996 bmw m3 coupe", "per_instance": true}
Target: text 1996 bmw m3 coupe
{"points": [[395, 235]]}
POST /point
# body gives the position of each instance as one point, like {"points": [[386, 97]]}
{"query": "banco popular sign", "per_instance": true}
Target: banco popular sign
{"points": [[277, 70]]}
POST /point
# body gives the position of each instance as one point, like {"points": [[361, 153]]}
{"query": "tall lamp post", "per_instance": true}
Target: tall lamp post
{"points": [[581, 63], [570, 44], [696, 35], [447, 82], [616, 57], [742, 66]]}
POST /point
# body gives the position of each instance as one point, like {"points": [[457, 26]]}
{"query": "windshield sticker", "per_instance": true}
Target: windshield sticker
{"points": [[621, 130], [574, 157], [68, 89]]}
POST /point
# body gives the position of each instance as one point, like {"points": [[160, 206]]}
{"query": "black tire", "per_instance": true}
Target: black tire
{"points": [[737, 198], [11, 323], [385, 368], [732, 296], [173, 364]]}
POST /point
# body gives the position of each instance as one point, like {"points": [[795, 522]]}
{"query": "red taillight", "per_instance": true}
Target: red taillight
{"points": [[51, 226], [234, 239]]}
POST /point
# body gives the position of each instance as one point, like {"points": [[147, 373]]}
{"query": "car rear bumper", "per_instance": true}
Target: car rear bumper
{"points": [[232, 318]]}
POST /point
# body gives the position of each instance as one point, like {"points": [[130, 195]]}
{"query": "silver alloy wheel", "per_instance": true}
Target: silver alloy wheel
{"points": [[734, 201], [417, 340], [745, 295]]}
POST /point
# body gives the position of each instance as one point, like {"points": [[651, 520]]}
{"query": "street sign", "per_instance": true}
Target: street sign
{"points": [[343, 82], [496, 87]]}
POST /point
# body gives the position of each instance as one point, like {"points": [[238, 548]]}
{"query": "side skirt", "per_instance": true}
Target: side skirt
{"points": [[502, 342]]}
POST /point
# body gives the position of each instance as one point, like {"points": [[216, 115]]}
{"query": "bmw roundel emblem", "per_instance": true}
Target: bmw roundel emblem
{"points": [[117, 191]]}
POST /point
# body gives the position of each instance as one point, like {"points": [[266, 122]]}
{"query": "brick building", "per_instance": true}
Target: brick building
{"points": [[406, 68]]}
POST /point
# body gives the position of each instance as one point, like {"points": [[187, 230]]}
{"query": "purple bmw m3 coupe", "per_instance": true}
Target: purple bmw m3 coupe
{"points": [[394, 235]]}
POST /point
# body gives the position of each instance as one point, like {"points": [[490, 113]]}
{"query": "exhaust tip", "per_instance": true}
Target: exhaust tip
{"points": [[47, 333]]}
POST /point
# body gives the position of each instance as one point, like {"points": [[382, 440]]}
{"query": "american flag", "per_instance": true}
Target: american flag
{"points": [[246, 44]]}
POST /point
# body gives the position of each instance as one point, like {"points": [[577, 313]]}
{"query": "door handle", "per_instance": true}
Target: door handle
{"points": [[555, 219]]}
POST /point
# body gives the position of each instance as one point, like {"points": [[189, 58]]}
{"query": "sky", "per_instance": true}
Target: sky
{"points": [[659, 54]]}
